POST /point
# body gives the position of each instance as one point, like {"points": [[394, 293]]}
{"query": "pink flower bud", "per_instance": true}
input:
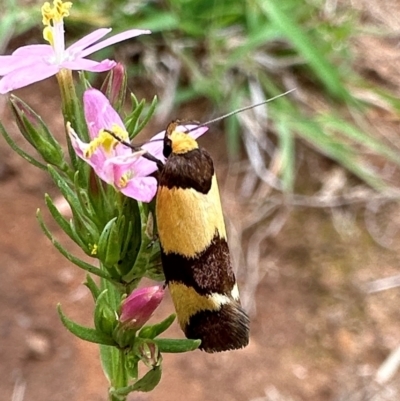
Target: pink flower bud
{"points": [[114, 86], [137, 309]]}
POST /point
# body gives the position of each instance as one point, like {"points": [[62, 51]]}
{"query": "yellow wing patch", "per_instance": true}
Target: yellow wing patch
{"points": [[188, 220], [188, 302]]}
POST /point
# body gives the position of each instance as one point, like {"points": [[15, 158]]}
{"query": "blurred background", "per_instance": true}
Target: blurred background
{"points": [[309, 185]]}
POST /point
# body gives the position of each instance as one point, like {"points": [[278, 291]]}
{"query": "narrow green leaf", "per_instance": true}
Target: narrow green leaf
{"points": [[78, 262], [344, 154], [84, 333], [149, 114], [175, 345], [106, 353], [147, 383], [105, 319], [64, 185], [93, 288], [327, 73], [353, 133], [159, 22], [108, 250], [36, 132], [132, 120], [143, 255], [19, 151], [156, 329], [60, 220]]}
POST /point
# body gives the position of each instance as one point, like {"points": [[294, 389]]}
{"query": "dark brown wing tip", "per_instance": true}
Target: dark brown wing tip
{"points": [[222, 330]]}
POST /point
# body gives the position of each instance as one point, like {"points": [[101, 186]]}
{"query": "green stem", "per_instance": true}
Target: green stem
{"points": [[120, 378], [72, 110], [113, 358], [68, 95]]}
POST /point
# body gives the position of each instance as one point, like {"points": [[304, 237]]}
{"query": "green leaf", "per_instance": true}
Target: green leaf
{"points": [[175, 345], [64, 185], [144, 254], [132, 120], [80, 263], [106, 357], [105, 319], [156, 329], [109, 251], [159, 22], [37, 133], [19, 151], [62, 222], [147, 383], [84, 333], [93, 288], [307, 47], [147, 118]]}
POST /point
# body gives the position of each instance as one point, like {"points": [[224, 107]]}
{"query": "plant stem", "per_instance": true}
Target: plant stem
{"points": [[113, 358]]}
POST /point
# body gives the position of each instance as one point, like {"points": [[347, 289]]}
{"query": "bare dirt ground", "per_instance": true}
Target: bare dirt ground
{"points": [[315, 334]]}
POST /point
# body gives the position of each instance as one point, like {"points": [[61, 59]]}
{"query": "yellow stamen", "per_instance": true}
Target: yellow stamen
{"points": [[94, 249], [56, 13], [107, 141], [123, 181], [48, 35]]}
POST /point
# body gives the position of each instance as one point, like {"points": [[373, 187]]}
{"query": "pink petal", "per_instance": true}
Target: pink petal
{"points": [[99, 114], [155, 146], [79, 146], [87, 40], [114, 167], [27, 75], [97, 159], [89, 65], [122, 164], [142, 189], [114, 39], [138, 187], [34, 50], [11, 63]]}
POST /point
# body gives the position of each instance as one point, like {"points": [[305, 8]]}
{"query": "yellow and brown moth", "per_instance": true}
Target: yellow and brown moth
{"points": [[194, 248]]}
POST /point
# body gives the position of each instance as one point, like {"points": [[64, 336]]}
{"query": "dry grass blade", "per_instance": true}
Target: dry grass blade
{"points": [[19, 389]]}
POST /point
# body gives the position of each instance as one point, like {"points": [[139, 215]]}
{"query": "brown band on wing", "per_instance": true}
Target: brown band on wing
{"points": [[209, 272]]}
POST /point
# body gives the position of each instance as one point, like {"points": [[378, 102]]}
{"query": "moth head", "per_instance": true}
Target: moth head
{"points": [[177, 140]]}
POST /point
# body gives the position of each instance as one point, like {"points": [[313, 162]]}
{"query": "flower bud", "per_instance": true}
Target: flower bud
{"points": [[114, 86], [104, 316], [149, 354], [109, 244], [137, 309]]}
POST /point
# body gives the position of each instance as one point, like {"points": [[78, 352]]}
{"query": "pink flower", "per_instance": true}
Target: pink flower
{"points": [[137, 309], [33, 63], [111, 160]]}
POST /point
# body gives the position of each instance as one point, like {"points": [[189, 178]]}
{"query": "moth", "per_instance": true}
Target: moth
{"points": [[194, 248]]}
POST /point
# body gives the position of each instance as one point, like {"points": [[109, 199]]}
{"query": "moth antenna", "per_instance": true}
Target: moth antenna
{"points": [[232, 113], [149, 141], [146, 155]]}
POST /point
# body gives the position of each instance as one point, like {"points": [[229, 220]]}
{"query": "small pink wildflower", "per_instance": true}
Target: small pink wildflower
{"points": [[33, 63], [111, 160]]}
